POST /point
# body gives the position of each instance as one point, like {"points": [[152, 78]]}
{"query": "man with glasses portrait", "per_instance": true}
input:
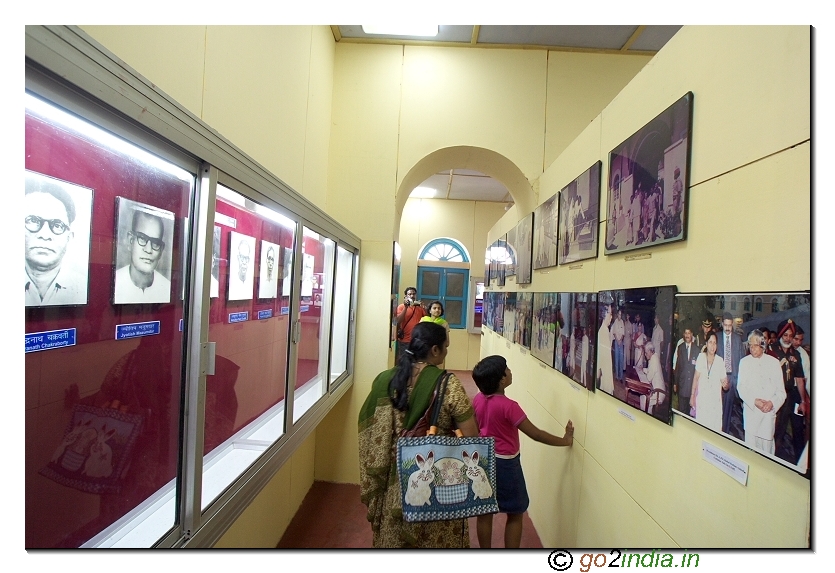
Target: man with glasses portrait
{"points": [[49, 213], [140, 281]]}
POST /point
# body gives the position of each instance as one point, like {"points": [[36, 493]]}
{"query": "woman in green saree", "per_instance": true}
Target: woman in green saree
{"points": [[398, 399]]}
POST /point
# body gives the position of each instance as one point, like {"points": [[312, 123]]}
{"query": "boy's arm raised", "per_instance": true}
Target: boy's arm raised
{"points": [[544, 437]]}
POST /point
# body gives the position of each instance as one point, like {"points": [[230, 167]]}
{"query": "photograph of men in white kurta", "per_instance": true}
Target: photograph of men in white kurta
{"points": [[241, 269], [56, 216], [761, 388], [580, 217], [143, 254], [268, 273]]}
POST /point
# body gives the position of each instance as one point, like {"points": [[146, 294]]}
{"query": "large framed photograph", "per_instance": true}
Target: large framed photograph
{"points": [[580, 217], [649, 181], [241, 267], [510, 249], [57, 217], [143, 253], [509, 314], [644, 379], [268, 272], [524, 248], [545, 234], [741, 368], [577, 343], [523, 319]]}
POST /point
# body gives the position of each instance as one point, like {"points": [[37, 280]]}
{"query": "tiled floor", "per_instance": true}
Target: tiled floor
{"points": [[332, 516]]}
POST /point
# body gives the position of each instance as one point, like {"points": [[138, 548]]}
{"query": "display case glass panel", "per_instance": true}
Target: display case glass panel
{"points": [[340, 331], [313, 336], [250, 324], [104, 220]]}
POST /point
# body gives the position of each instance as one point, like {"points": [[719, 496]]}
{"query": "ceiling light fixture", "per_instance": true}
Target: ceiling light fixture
{"points": [[422, 30], [423, 193]]}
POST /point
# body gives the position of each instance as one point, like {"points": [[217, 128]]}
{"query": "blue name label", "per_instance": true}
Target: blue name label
{"points": [[285, 310], [181, 325], [50, 339], [265, 314], [135, 329], [304, 308], [238, 316]]}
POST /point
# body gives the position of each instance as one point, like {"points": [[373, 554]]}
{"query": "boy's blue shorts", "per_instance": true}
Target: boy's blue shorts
{"points": [[511, 492]]}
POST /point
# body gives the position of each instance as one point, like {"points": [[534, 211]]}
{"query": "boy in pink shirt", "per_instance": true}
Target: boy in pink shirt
{"points": [[501, 418]]}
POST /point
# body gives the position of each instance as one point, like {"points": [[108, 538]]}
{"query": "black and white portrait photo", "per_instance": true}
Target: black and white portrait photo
{"points": [[580, 217], [241, 266], [57, 241], [145, 235], [643, 377], [649, 181], [742, 368], [269, 271], [545, 234]]}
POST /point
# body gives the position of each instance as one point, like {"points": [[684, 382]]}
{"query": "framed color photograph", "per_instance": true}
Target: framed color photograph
{"points": [[580, 217], [523, 319], [143, 256], [269, 270], [524, 248], [577, 343], [509, 321], [510, 246], [241, 267], [642, 379], [545, 234], [545, 326], [735, 354], [649, 182], [57, 217]]}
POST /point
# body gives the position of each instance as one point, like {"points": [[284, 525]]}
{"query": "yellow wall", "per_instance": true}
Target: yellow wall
{"points": [[642, 483]]}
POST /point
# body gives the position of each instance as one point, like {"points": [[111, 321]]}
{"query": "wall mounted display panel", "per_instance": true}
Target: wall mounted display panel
{"points": [[524, 249], [509, 316], [580, 217], [523, 319], [648, 182], [545, 234], [646, 384], [268, 270], [735, 354], [510, 261], [245, 397], [103, 382], [577, 344]]}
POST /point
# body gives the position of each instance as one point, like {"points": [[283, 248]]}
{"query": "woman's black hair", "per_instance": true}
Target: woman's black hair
{"points": [[439, 303], [488, 373], [425, 335]]}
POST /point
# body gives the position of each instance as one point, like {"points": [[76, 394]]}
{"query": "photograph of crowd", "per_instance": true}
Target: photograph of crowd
{"points": [[741, 367], [524, 248], [648, 182], [545, 234], [580, 217], [546, 324], [523, 319], [634, 363], [577, 343], [509, 319], [494, 311]]}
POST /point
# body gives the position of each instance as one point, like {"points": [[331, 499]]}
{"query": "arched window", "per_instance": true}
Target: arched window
{"points": [[747, 304], [444, 275], [444, 250], [774, 305], [733, 303], [758, 304], [722, 303]]}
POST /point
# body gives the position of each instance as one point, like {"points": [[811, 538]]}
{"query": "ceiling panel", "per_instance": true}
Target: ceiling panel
{"points": [[589, 37], [445, 34], [478, 188], [654, 37]]}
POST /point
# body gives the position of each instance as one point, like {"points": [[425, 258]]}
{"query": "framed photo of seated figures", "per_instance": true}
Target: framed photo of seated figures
{"points": [[545, 234], [648, 182], [643, 378], [580, 217], [742, 368]]}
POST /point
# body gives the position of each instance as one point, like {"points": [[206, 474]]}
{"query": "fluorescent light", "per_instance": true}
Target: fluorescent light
{"points": [[423, 193], [424, 30]]}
